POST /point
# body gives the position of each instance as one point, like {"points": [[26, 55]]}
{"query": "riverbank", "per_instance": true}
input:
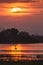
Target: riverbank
{"points": [[39, 62]]}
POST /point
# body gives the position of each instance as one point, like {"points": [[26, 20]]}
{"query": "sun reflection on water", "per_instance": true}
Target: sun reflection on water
{"points": [[15, 49]]}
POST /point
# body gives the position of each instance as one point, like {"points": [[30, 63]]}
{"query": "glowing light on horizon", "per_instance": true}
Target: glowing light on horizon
{"points": [[18, 47], [20, 9], [16, 9]]}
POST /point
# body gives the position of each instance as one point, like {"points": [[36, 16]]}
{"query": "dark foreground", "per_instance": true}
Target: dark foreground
{"points": [[39, 62]]}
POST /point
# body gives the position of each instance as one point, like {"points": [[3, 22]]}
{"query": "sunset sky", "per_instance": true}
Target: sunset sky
{"points": [[24, 15]]}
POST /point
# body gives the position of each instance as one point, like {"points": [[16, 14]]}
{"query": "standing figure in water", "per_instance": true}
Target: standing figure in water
{"points": [[15, 47]]}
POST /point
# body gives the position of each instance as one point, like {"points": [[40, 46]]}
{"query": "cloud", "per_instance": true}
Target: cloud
{"points": [[12, 1]]}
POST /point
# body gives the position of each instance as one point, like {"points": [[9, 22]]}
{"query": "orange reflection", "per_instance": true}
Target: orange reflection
{"points": [[15, 51]]}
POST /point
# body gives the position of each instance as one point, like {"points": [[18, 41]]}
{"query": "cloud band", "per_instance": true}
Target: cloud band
{"points": [[13, 1]]}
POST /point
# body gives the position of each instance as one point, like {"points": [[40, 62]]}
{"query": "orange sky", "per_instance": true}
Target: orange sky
{"points": [[30, 8], [29, 20]]}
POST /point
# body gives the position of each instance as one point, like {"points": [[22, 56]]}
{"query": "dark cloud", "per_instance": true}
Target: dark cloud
{"points": [[11, 1], [7, 1]]}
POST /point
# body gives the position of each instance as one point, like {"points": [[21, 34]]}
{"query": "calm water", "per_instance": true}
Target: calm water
{"points": [[21, 51]]}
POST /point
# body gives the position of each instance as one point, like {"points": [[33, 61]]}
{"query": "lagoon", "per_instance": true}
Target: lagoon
{"points": [[19, 51]]}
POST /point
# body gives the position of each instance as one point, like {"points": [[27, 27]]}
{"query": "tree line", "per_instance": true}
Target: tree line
{"points": [[14, 36]]}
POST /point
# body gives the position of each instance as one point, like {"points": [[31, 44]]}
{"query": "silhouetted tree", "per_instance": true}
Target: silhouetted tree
{"points": [[9, 35], [14, 36], [23, 37]]}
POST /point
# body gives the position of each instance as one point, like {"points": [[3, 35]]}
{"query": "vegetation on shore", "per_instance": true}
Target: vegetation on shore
{"points": [[14, 36], [21, 62]]}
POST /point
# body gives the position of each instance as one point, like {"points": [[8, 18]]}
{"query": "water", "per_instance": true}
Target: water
{"points": [[21, 51]]}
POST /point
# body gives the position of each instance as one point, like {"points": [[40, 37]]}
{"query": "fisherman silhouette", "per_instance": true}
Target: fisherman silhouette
{"points": [[15, 47]]}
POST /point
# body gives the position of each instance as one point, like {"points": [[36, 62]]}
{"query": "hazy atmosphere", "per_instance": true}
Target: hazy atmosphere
{"points": [[29, 18], [21, 32]]}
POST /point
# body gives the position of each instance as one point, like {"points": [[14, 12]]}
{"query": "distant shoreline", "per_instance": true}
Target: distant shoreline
{"points": [[21, 43], [11, 36]]}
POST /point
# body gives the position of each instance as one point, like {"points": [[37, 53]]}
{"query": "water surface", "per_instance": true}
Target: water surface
{"points": [[21, 51]]}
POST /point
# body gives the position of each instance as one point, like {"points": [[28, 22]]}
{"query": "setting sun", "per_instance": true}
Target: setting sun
{"points": [[16, 10]]}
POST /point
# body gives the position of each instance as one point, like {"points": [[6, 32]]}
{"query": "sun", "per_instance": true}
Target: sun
{"points": [[16, 10]]}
